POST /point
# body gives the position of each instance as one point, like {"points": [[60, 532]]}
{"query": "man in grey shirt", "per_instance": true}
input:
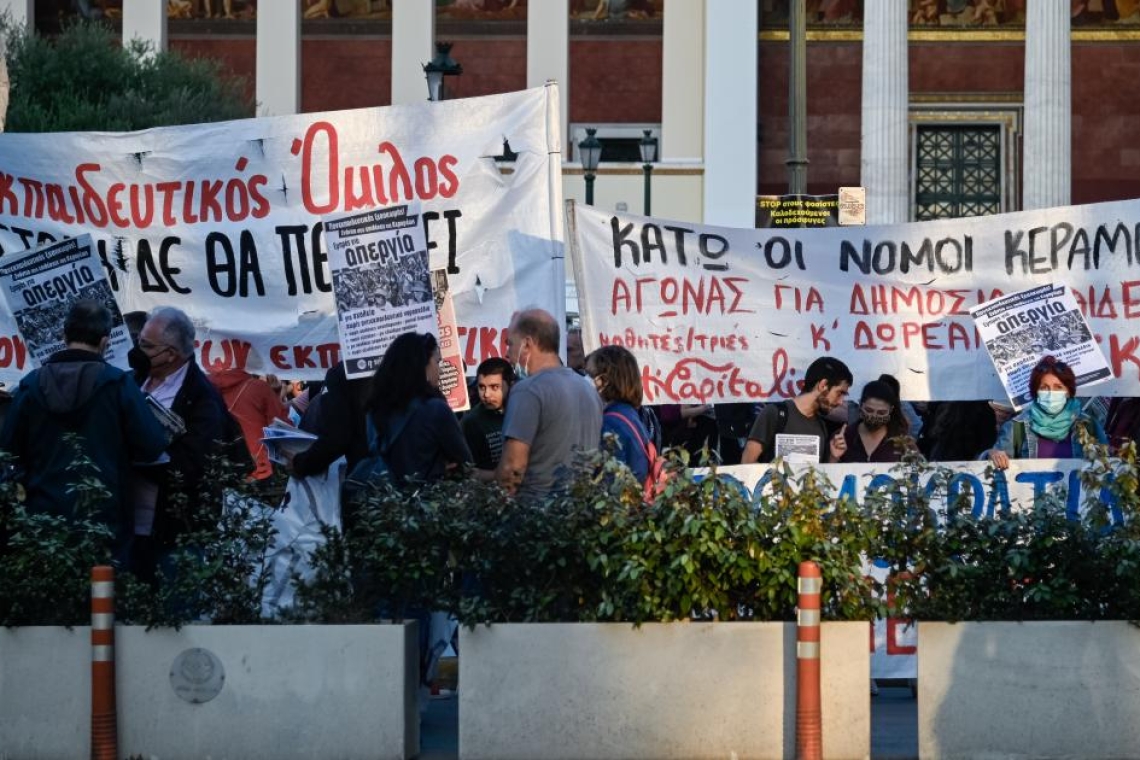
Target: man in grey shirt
{"points": [[826, 386], [552, 412]]}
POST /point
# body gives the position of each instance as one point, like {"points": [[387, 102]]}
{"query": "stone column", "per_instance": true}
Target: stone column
{"points": [[145, 20], [278, 80], [1048, 106], [682, 81], [886, 97], [731, 91], [22, 12], [548, 54], [413, 45]]}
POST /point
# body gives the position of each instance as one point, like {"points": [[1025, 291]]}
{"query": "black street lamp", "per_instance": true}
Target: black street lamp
{"points": [[590, 153], [648, 147], [443, 65]]}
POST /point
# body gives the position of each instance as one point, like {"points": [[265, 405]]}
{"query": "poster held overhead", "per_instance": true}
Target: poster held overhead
{"points": [[39, 287], [452, 375], [379, 264], [1021, 328]]}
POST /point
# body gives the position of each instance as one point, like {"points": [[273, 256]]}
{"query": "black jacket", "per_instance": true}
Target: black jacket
{"points": [[76, 392], [182, 505], [340, 427]]}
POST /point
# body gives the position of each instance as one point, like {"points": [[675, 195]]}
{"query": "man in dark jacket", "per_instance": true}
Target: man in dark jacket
{"points": [[77, 393], [483, 425], [167, 371]]}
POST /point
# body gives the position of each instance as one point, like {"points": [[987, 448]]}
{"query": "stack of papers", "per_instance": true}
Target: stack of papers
{"points": [[281, 438]]}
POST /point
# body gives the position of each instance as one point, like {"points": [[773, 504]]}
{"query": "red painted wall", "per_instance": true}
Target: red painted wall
{"points": [[966, 67], [238, 55], [490, 65], [615, 80], [346, 72], [834, 72], [1106, 110]]}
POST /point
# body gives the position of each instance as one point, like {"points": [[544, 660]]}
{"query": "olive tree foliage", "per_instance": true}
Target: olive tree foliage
{"points": [[83, 80]]}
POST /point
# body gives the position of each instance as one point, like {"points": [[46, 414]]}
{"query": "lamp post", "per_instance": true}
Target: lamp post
{"points": [[797, 98], [590, 152], [648, 147], [442, 65]]}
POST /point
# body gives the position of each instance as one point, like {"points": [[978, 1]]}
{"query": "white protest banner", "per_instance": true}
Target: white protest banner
{"points": [[452, 379], [379, 264], [41, 285], [895, 640], [1020, 328], [224, 220], [716, 314]]}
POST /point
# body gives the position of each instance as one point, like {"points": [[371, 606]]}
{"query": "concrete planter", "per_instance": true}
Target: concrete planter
{"points": [[676, 690], [240, 692], [1041, 689]]}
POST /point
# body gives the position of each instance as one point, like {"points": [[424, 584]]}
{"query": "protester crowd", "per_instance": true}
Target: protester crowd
{"points": [[150, 432]]}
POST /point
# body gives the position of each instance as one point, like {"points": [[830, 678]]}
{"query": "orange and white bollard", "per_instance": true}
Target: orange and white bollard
{"points": [[104, 720], [809, 715]]}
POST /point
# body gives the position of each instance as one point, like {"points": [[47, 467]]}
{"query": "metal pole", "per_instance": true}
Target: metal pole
{"points": [[797, 98], [648, 187], [589, 188]]}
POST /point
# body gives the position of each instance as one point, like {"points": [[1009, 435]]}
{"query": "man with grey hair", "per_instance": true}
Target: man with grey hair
{"points": [[552, 412], [165, 368]]}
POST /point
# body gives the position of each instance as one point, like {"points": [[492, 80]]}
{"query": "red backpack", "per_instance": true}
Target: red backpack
{"points": [[658, 475]]}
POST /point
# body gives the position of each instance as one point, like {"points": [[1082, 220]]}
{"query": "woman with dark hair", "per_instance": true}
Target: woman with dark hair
{"points": [[881, 420], [410, 415], [1047, 428], [617, 379]]}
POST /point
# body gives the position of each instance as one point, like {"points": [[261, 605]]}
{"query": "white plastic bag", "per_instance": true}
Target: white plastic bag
{"points": [[309, 503]]}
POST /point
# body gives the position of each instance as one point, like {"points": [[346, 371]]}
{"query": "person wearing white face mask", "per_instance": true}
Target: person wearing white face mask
{"points": [[552, 412], [1047, 428]]}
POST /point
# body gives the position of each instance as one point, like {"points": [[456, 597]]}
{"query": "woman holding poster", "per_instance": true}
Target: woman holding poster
{"points": [[1048, 427]]}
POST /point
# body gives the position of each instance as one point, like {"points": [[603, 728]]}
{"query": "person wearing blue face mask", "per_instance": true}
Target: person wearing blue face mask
{"points": [[1047, 428]]}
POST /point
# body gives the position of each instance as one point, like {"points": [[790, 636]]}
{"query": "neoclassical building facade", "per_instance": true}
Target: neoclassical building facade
{"points": [[937, 107]]}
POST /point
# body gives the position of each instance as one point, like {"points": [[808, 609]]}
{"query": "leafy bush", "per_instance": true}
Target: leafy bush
{"points": [[1036, 562], [46, 560], [83, 79], [595, 552], [706, 549], [217, 572]]}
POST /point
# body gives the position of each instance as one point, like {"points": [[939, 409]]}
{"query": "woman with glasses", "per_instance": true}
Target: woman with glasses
{"points": [[881, 423], [1051, 426]]}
